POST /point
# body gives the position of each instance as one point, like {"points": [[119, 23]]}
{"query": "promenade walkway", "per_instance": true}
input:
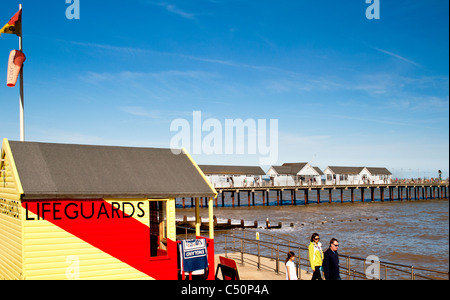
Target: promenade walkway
{"points": [[249, 270]]}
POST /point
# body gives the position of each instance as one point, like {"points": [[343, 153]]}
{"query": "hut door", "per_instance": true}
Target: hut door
{"points": [[158, 240]]}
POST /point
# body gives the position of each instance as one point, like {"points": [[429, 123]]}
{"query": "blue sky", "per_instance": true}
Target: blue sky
{"points": [[345, 90]]}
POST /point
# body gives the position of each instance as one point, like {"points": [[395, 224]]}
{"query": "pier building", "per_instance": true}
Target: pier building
{"points": [[233, 176], [341, 175], [376, 175], [294, 174]]}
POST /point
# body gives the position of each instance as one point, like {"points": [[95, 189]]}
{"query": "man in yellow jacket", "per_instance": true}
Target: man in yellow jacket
{"points": [[315, 256]]}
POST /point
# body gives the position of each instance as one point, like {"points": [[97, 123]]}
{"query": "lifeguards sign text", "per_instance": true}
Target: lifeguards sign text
{"points": [[58, 210]]}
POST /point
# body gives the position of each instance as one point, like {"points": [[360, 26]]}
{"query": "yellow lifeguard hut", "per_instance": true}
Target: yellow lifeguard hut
{"points": [[94, 212]]}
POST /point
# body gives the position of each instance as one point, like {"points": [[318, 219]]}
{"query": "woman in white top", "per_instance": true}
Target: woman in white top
{"points": [[291, 273]]}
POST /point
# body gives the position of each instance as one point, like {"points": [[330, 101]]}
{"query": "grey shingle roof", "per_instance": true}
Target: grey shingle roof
{"points": [[84, 171], [346, 170], [232, 170], [293, 168], [378, 171]]}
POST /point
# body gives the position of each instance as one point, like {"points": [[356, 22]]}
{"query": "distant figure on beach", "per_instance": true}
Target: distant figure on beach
{"points": [[315, 256], [331, 261], [291, 272]]}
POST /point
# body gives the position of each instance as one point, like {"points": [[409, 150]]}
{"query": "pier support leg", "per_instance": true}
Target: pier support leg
{"points": [[223, 199], [278, 198], [239, 198], [232, 199], [362, 194], [382, 194], [372, 194], [318, 196], [353, 195], [248, 198], [329, 195], [306, 196], [253, 198], [198, 220], [342, 195], [211, 218]]}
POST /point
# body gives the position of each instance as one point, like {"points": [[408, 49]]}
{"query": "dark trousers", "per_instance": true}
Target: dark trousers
{"points": [[316, 275]]}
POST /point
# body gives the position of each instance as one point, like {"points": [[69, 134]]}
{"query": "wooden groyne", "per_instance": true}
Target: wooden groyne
{"points": [[184, 225], [189, 226], [295, 195]]}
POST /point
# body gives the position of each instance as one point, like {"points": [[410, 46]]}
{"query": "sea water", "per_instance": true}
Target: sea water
{"points": [[414, 232]]}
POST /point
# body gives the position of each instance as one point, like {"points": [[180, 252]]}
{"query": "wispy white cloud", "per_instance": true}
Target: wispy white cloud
{"points": [[365, 120], [424, 104], [139, 51], [141, 112], [53, 135], [156, 114], [121, 49], [397, 56], [175, 10], [122, 76]]}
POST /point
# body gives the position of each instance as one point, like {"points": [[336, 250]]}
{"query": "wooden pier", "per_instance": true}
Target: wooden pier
{"points": [[297, 195]]}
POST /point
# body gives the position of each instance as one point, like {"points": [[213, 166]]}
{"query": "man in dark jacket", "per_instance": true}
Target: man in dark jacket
{"points": [[330, 262]]}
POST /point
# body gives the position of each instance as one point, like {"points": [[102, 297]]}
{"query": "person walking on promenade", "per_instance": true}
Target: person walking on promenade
{"points": [[331, 261], [291, 273], [315, 256]]}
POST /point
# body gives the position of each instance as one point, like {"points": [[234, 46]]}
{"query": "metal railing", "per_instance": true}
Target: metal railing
{"points": [[351, 267], [333, 183]]}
